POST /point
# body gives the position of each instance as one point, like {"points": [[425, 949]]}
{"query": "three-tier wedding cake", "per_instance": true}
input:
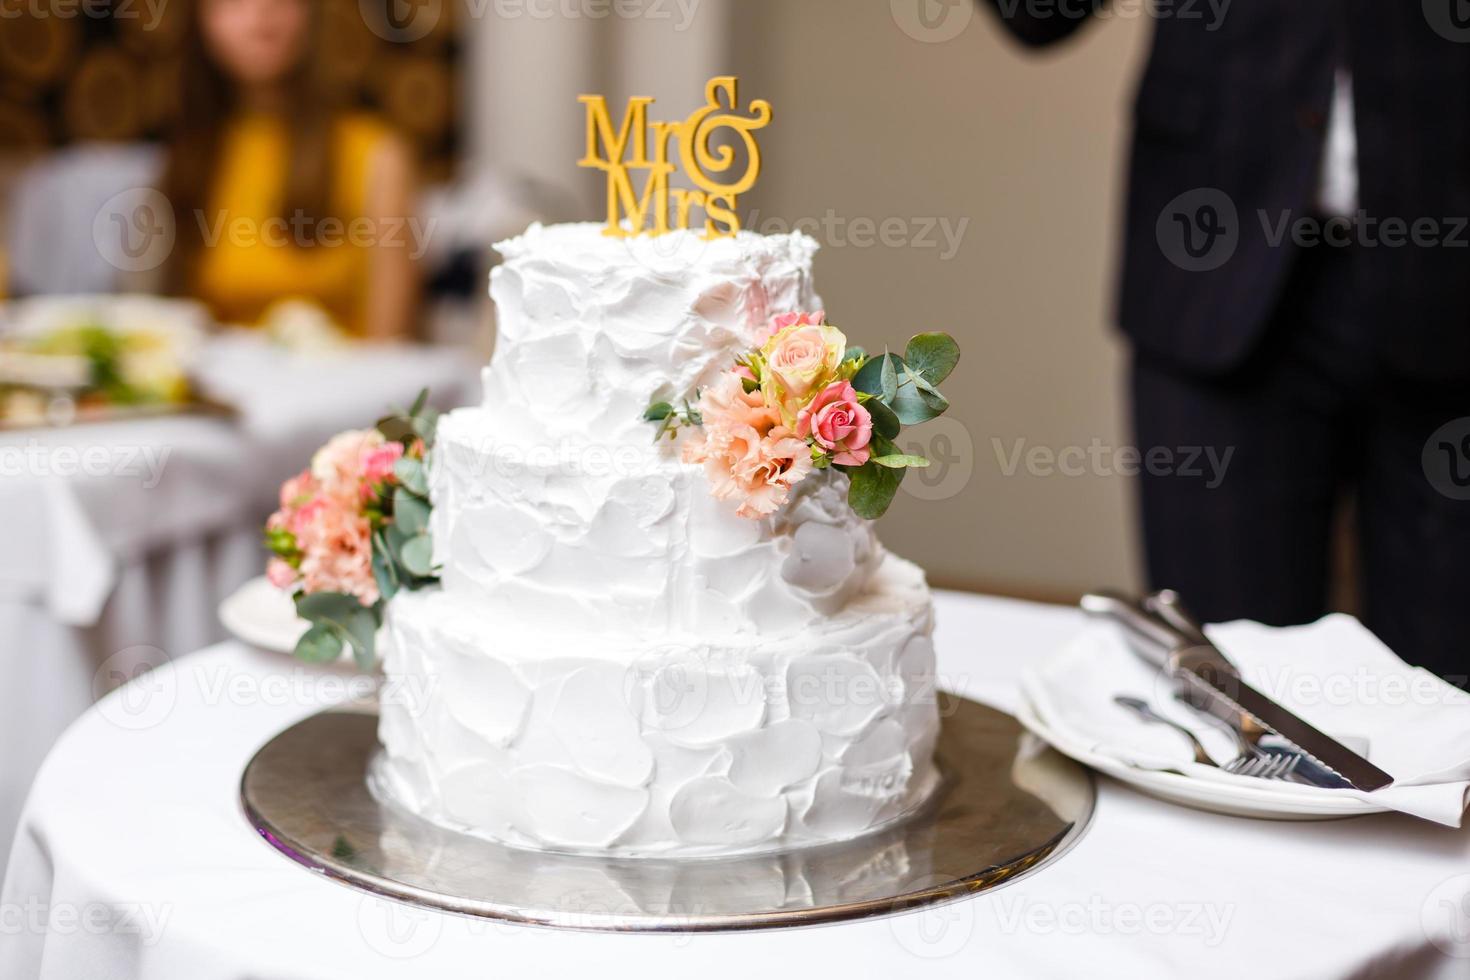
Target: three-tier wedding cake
{"points": [[619, 660]]}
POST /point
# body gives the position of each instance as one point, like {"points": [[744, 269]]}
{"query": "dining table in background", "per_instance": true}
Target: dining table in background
{"points": [[135, 862], [123, 537]]}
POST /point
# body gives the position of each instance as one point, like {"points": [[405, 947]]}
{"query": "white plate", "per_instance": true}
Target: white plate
{"points": [[1247, 798], [262, 615]]}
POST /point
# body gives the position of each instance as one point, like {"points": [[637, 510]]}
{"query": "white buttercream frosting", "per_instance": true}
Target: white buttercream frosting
{"points": [[615, 661]]}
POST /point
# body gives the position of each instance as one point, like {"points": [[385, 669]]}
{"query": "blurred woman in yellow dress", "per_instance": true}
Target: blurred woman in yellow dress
{"points": [[277, 194]]}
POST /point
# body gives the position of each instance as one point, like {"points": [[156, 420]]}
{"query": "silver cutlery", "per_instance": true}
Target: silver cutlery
{"points": [[1260, 764], [1162, 632]]}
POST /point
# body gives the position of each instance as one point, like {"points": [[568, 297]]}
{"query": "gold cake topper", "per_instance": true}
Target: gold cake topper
{"points": [[717, 190]]}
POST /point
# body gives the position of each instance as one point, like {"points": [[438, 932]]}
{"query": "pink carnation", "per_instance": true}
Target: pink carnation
{"points": [[280, 574], [336, 546], [376, 463], [838, 423]]}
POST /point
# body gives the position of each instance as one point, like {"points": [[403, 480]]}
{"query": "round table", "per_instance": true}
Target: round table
{"points": [[135, 861]]}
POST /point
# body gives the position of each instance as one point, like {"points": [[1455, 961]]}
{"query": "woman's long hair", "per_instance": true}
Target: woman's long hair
{"points": [[208, 101]]}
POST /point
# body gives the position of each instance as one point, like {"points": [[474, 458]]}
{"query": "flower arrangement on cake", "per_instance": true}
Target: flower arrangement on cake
{"points": [[805, 401], [352, 530]]}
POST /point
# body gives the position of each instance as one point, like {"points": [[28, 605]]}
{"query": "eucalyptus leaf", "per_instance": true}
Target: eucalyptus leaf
{"points": [[420, 402], [872, 489], [352, 622], [910, 406], [385, 572], [417, 555], [888, 378], [412, 474], [869, 378], [885, 423], [927, 393], [658, 411], [934, 355], [410, 513], [899, 461], [319, 645], [854, 354]]}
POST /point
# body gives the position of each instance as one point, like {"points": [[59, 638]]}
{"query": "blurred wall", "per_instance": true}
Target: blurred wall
{"points": [[957, 182], [883, 118]]}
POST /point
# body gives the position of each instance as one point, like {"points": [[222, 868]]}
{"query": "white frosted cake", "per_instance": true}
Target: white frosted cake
{"points": [[615, 661]]}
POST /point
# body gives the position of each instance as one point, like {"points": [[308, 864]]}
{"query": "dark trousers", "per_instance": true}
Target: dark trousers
{"points": [[1312, 419]]}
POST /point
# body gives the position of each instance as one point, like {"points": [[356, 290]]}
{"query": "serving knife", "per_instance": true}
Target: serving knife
{"points": [[1162, 632]]}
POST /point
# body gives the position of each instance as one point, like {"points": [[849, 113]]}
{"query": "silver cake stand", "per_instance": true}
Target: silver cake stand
{"points": [[1008, 806]]}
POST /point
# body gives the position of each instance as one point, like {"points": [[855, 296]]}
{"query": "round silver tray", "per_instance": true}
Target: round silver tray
{"points": [[1008, 806]]}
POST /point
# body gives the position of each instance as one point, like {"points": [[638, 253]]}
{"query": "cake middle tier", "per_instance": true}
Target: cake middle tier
{"points": [[582, 536]]}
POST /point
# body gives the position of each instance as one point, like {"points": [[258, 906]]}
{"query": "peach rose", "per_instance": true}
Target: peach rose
{"points": [[783, 320], [838, 423], [800, 359]]}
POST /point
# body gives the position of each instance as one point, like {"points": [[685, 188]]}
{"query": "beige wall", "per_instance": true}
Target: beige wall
{"points": [[873, 123], [1022, 152]]}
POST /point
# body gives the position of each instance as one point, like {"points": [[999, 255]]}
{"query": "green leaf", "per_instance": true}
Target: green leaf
{"points": [[385, 572], [888, 378], [855, 354], [869, 378], [927, 393], [420, 402], [319, 645], [872, 489], [885, 423], [410, 513], [417, 555], [412, 474], [898, 461], [353, 623], [933, 355], [658, 411]]}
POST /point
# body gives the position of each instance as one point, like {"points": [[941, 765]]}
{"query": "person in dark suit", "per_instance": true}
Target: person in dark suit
{"points": [[1296, 286]]}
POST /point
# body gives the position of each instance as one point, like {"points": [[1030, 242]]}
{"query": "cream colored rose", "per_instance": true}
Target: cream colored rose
{"points": [[799, 361]]}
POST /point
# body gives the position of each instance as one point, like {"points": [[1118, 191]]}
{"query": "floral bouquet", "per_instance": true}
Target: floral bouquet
{"points": [[352, 530], [805, 401]]}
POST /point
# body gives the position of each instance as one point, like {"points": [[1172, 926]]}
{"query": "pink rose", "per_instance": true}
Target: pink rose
{"points": [[800, 359], [280, 574], [838, 423]]}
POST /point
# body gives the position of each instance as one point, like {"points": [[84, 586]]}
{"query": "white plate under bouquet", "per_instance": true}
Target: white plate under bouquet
{"points": [[262, 615]]}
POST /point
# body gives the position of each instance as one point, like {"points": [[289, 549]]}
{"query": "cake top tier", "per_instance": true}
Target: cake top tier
{"points": [[592, 328]]}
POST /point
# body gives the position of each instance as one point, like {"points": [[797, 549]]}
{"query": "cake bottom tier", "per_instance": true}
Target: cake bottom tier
{"points": [[626, 747]]}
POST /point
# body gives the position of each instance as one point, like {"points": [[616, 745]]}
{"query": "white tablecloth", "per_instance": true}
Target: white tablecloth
{"points": [[121, 539], [134, 861]]}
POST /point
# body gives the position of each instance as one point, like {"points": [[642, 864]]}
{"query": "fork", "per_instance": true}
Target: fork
{"points": [[1252, 761]]}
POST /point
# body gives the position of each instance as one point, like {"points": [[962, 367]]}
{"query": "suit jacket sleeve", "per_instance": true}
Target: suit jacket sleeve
{"points": [[1036, 23]]}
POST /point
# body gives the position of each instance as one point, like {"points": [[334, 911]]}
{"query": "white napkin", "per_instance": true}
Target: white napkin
{"points": [[1334, 674]]}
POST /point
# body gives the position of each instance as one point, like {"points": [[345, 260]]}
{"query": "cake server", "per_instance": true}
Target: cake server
{"points": [[1209, 682]]}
